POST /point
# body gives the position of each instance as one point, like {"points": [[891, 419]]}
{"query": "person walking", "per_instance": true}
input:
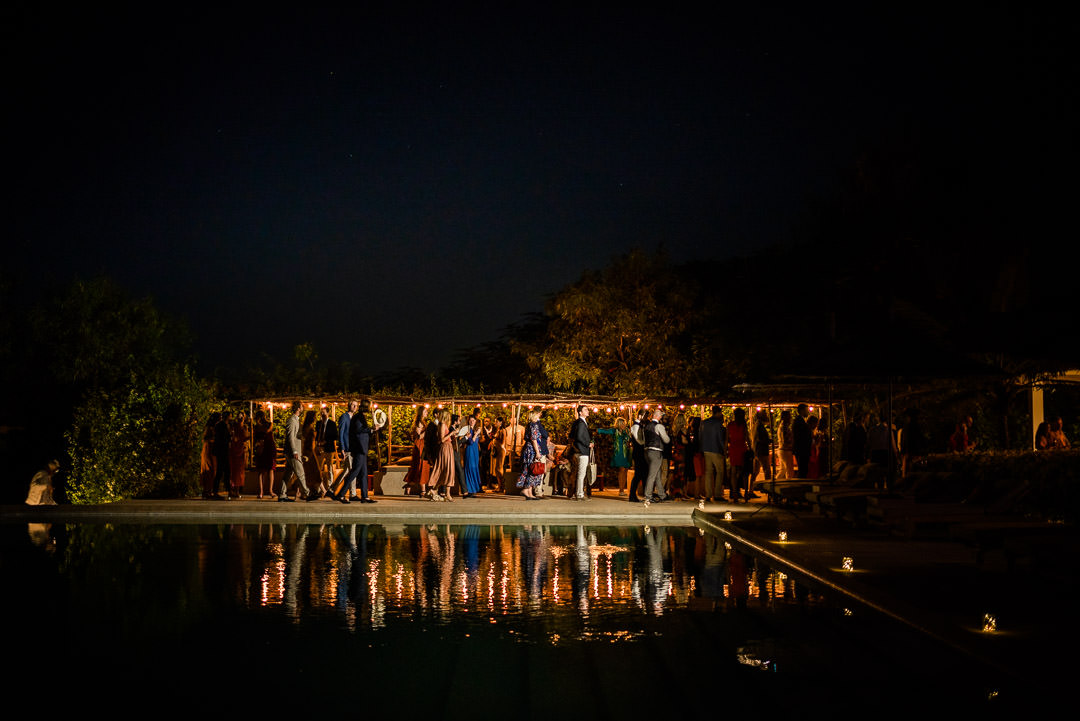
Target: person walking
{"points": [[294, 462]]}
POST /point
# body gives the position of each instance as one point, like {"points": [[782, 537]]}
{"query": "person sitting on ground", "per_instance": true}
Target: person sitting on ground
{"points": [[41, 487], [1042, 436], [1057, 434]]}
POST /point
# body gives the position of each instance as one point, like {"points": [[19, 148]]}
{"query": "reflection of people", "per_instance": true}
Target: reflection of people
{"points": [[41, 488]]}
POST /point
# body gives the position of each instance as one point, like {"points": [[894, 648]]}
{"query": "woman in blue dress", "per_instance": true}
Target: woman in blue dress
{"points": [[531, 453], [471, 452]]}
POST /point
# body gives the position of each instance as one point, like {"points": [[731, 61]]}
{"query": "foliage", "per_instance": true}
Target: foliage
{"points": [[94, 335], [141, 440], [133, 408], [616, 331]]}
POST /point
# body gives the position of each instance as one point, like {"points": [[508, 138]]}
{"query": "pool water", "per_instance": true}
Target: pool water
{"points": [[462, 621]]}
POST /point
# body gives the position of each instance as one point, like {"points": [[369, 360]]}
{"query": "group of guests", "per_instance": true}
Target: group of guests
{"points": [[1051, 436], [468, 454], [223, 461]]}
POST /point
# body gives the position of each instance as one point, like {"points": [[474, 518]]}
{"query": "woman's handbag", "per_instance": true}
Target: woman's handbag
{"points": [[536, 468]]}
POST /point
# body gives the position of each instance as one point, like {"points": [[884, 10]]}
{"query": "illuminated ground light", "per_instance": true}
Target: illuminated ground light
{"points": [[848, 563], [701, 504], [782, 536], [727, 515], [989, 624]]}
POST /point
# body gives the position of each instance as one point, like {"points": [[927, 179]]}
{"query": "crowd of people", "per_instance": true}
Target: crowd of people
{"points": [[656, 457]]}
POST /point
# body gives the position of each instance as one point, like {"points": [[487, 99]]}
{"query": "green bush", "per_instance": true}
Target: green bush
{"points": [[142, 441]]}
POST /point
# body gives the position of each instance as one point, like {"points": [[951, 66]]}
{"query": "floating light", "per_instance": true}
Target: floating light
{"points": [[848, 563], [989, 623], [783, 536]]}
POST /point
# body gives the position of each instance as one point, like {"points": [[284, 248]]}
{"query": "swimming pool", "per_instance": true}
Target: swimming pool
{"points": [[462, 621]]}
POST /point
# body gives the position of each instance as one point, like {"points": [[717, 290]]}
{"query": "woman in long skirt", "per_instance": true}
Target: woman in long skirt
{"points": [[471, 457], [265, 453], [442, 469], [419, 469], [238, 454], [530, 453]]}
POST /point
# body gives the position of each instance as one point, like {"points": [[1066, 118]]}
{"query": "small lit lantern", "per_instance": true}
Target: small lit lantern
{"points": [[646, 502], [701, 504], [783, 536], [848, 563], [989, 623], [727, 515]]}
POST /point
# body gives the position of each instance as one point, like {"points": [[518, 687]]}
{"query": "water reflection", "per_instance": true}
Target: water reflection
{"points": [[368, 576]]}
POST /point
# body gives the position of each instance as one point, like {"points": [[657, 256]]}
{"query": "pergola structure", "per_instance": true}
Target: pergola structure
{"points": [[750, 397]]}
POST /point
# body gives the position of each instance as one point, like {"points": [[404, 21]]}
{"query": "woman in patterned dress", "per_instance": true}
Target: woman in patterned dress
{"points": [[531, 453]]}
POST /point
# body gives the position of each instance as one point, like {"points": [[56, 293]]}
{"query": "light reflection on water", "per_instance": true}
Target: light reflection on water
{"points": [[465, 574], [363, 596]]}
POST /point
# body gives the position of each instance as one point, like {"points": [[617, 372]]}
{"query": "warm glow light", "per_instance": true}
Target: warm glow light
{"points": [[701, 504], [848, 563], [989, 623], [783, 536], [727, 515]]}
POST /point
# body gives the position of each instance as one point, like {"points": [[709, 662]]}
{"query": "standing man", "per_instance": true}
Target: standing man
{"points": [[325, 434], [294, 460], [655, 438], [343, 426], [714, 448], [361, 426], [801, 440], [582, 442]]}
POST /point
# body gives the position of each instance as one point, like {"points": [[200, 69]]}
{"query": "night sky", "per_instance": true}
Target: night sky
{"points": [[394, 185]]}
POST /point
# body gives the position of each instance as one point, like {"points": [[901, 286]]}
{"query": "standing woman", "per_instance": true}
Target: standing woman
{"points": [[419, 469], [498, 455], [207, 461], [487, 446], [530, 454], [695, 459], [816, 437], [787, 447], [265, 453], [679, 440], [471, 457], [312, 469], [738, 452], [620, 456], [761, 445], [442, 454], [238, 455]]}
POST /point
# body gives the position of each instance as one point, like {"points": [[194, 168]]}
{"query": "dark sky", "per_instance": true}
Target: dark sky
{"points": [[394, 185]]}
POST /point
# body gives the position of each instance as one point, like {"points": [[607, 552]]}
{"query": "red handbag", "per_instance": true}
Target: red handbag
{"points": [[536, 468]]}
